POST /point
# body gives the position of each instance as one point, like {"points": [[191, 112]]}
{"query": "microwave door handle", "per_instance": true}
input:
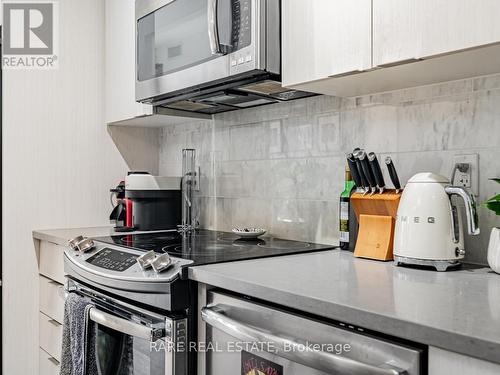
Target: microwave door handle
{"points": [[125, 326], [320, 360], [213, 28]]}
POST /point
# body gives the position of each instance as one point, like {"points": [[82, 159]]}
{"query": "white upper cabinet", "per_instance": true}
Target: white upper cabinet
{"points": [[414, 29], [120, 62], [120, 73], [324, 38], [357, 47]]}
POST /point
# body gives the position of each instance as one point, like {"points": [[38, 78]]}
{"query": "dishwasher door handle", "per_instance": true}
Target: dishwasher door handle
{"points": [[125, 326], [320, 360]]}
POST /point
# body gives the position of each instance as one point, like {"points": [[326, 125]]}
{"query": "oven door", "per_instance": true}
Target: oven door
{"points": [[245, 338], [134, 341], [184, 44]]}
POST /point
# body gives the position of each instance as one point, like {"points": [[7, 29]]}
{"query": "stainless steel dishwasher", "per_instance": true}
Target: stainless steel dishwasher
{"points": [[249, 338]]}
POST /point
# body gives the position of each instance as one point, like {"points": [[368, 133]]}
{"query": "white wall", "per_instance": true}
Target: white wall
{"points": [[58, 164]]}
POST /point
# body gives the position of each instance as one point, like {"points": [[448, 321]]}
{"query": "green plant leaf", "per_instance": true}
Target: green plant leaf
{"points": [[496, 198], [493, 203], [493, 206]]}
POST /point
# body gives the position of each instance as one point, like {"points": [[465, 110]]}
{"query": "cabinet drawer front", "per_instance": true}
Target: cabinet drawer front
{"points": [[51, 303], [48, 365], [50, 336], [52, 261]]}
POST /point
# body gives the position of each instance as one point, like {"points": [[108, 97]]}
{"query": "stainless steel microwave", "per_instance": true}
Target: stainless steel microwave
{"points": [[209, 56]]}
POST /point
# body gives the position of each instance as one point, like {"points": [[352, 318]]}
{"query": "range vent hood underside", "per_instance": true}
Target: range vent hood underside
{"points": [[230, 96]]}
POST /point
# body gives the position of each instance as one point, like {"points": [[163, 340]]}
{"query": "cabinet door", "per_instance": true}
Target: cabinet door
{"points": [[48, 364], [414, 29], [120, 62], [51, 263], [445, 362], [324, 38]]}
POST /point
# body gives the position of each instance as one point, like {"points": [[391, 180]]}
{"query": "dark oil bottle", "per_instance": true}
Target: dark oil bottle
{"points": [[345, 210]]}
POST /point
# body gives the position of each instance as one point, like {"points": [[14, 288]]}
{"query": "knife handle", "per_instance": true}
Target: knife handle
{"points": [[392, 173], [362, 177], [366, 169], [377, 171], [354, 170]]}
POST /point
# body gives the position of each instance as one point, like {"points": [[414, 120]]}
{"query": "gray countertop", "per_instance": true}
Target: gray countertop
{"points": [[62, 236], [456, 310]]}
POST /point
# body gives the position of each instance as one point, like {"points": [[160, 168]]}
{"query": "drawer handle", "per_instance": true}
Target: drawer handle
{"points": [[397, 63], [345, 74], [54, 361], [55, 322], [322, 361]]}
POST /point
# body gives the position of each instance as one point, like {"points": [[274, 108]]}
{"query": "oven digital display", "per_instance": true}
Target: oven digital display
{"points": [[114, 260]]}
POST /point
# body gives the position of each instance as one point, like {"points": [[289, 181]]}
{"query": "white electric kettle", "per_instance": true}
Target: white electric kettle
{"points": [[429, 225]]}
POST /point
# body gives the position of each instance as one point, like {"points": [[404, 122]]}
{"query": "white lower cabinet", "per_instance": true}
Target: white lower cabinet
{"points": [[51, 306], [51, 303], [50, 336], [52, 261], [48, 364], [445, 362]]}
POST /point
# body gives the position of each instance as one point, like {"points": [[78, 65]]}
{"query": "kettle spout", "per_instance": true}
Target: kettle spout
{"points": [[470, 208]]}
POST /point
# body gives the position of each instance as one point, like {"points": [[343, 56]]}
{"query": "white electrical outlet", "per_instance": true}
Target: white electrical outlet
{"points": [[462, 174], [467, 172]]}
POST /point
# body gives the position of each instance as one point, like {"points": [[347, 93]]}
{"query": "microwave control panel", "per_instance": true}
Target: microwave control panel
{"points": [[241, 26]]}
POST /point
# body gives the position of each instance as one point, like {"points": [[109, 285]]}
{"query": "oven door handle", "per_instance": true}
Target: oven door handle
{"points": [[213, 28], [320, 360], [125, 326]]}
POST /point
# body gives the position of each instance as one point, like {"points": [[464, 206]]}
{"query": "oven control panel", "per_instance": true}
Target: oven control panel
{"points": [[118, 264], [112, 259]]}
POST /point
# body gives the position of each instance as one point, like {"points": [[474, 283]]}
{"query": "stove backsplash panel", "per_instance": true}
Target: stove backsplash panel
{"points": [[281, 166]]}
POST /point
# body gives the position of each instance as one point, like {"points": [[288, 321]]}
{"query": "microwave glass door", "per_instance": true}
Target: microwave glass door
{"points": [[182, 45], [173, 38]]}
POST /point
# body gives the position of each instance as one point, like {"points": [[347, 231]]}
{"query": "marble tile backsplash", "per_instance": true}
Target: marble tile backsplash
{"points": [[281, 166]]}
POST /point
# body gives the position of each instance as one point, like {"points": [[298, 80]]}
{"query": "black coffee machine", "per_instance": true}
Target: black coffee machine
{"points": [[146, 202], [118, 215]]}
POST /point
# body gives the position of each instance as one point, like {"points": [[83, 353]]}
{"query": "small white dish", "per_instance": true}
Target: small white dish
{"points": [[249, 232]]}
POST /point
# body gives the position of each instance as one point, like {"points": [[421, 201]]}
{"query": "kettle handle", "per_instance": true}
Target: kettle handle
{"points": [[470, 207]]}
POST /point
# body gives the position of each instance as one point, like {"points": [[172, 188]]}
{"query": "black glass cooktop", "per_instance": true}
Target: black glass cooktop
{"points": [[207, 246]]}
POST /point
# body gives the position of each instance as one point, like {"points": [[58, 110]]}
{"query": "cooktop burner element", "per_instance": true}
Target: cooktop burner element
{"points": [[205, 246]]}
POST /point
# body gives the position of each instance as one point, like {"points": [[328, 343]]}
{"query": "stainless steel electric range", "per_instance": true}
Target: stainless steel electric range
{"points": [[157, 310]]}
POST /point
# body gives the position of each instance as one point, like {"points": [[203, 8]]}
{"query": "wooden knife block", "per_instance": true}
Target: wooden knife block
{"points": [[376, 216]]}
